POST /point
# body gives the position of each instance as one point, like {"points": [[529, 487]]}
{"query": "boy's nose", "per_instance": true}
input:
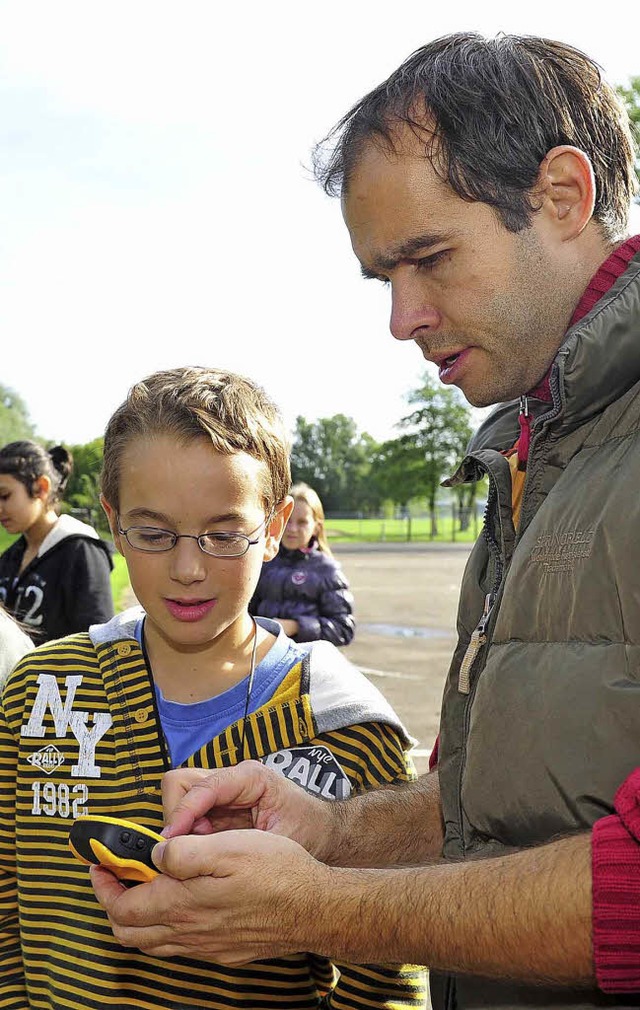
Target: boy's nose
{"points": [[188, 562]]}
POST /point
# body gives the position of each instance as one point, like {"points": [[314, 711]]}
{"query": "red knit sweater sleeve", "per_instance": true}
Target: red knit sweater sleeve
{"points": [[616, 891]]}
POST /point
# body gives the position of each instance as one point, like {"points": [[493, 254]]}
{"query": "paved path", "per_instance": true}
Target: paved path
{"points": [[406, 599]]}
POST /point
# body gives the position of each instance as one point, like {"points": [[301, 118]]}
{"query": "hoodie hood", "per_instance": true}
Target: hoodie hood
{"points": [[66, 526], [340, 695]]}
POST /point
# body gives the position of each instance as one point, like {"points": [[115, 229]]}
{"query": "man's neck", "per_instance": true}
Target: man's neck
{"points": [[605, 275], [602, 277]]}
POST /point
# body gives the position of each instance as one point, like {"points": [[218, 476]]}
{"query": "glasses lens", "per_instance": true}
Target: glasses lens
{"points": [[146, 538], [224, 545]]}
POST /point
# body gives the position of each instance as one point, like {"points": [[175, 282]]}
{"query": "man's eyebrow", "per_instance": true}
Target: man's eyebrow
{"points": [[404, 251]]}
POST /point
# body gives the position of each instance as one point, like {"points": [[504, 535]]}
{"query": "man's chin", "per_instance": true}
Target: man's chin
{"points": [[478, 400], [476, 397]]}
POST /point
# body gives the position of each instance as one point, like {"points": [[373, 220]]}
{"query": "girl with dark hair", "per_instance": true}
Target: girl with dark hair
{"points": [[55, 578], [303, 587]]}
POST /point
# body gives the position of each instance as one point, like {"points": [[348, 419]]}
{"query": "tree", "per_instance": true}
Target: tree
{"points": [[333, 457], [83, 488], [397, 471], [631, 99], [15, 423], [436, 434]]}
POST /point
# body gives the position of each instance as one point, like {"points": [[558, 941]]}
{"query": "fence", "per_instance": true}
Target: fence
{"points": [[448, 523]]}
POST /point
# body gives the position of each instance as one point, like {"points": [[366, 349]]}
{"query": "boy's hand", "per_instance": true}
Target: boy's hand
{"points": [[229, 898], [199, 801]]}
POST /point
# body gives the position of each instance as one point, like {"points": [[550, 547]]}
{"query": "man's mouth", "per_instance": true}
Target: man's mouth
{"points": [[445, 360], [450, 365]]}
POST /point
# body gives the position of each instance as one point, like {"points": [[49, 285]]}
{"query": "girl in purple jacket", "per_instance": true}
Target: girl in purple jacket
{"points": [[303, 587]]}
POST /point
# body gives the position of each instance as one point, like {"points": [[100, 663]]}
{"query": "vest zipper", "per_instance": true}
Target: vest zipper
{"points": [[478, 636], [524, 421], [477, 640], [535, 430]]}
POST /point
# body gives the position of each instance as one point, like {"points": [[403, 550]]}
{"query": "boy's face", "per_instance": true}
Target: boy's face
{"points": [[192, 598]]}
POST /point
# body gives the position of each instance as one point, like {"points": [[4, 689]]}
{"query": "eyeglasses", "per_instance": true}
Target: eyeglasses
{"points": [[217, 545]]}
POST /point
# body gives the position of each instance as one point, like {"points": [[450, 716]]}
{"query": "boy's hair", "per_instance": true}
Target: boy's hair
{"points": [[489, 110], [27, 461], [196, 402], [304, 493]]}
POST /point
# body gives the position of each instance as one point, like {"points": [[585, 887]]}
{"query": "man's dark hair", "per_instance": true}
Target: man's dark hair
{"points": [[489, 110]]}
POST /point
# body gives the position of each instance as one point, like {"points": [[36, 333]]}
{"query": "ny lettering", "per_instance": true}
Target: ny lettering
{"points": [[64, 718]]}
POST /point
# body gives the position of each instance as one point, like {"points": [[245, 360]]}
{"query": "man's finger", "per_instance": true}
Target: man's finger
{"points": [[241, 786], [117, 900], [107, 887], [176, 784]]}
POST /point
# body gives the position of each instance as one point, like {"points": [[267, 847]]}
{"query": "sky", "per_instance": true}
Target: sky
{"points": [[158, 208]]}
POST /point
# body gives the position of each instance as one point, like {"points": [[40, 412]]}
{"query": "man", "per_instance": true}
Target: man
{"points": [[488, 183]]}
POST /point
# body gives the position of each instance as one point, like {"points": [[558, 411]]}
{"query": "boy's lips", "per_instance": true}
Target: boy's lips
{"points": [[189, 610]]}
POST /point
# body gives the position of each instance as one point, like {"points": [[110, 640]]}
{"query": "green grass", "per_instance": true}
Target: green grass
{"points": [[120, 584], [398, 530], [5, 540]]}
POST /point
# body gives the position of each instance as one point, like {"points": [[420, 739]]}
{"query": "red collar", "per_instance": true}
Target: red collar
{"points": [[603, 279]]}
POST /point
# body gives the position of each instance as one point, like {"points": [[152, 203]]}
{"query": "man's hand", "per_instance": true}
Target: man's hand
{"points": [[230, 898], [523, 916], [386, 827], [201, 802]]}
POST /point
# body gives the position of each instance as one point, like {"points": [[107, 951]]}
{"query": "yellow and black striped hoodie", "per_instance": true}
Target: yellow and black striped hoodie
{"points": [[79, 734]]}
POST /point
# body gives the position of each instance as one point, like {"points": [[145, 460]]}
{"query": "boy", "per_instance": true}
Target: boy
{"points": [[195, 486]]}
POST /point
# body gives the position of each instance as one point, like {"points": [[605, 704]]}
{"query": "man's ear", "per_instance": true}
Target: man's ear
{"points": [[566, 189], [276, 527], [113, 523]]}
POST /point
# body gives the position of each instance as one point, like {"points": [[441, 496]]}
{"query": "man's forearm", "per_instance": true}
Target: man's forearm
{"points": [[523, 916], [395, 826]]}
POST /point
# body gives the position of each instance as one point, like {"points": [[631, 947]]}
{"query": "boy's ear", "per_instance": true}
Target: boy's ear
{"points": [[113, 523], [276, 527]]}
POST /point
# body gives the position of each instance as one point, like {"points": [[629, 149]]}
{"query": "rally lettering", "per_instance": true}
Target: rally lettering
{"points": [[280, 761], [300, 772]]}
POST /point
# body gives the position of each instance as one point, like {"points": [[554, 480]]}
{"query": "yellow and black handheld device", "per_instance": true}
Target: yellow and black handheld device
{"points": [[122, 846]]}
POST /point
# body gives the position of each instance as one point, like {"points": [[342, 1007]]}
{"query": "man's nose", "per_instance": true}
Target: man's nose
{"points": [[411, 311], [188, 562]]}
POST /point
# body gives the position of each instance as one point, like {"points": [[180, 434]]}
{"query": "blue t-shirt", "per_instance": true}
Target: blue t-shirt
{"points": [[188, 727]]}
